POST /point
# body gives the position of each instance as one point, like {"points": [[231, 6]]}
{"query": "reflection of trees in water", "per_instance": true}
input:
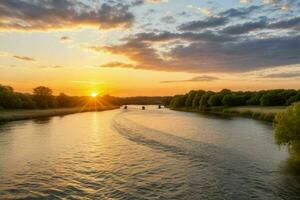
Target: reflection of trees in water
{"points": [[42, 120]]}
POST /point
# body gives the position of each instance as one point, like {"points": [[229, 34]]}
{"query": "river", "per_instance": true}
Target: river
{"points": [[143, 154]]}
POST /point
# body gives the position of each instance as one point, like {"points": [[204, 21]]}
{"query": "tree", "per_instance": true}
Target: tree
{"points": [[287, 128], [26, 101], [63, 100], [190, 97], [166, 101], [228, 100], [293, 99], [8, 99], [178, 101], [276, 97], [203, 104], [43, 97], [197, 98], [255, 98], [215, 100]]}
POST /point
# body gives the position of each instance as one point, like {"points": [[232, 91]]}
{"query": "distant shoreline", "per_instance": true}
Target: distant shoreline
{"points": [[15, 115], [263, 113]]}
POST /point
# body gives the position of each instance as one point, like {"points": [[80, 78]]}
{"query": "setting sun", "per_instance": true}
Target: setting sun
{"points": [[94, 94]]}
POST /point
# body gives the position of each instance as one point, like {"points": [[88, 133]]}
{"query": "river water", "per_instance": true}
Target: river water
{"points": [[143, 154]]}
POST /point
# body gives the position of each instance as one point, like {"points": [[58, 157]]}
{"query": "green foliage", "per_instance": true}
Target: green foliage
{"points": [[190, 97], [215, 100], [197, 98], [293, 99], [8, 99], [27, 102], [255, 98], [178, 101], [287, 125], [203, 104], [203, 100], [228, 100], [287, 128], [276, 97]]}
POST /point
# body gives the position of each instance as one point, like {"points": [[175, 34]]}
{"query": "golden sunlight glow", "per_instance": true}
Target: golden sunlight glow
{"points": [[94, 94]]}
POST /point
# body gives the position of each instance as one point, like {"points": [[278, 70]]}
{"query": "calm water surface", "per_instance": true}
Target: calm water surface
{"points": [[136, 154]]}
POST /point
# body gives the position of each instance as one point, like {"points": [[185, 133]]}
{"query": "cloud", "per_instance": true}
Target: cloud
{"points": [[269, 1], [51, 67], [118, 64], [239, 12], [283, 75], [187, 36], [46, 15], [210, 56], [25, 58], [168, 19], [285, 7], [245, 1], [65, 39], [203, 78], [284, 24], [156, 1], [245, 28], [206, 11], [291, 23], [202, 24]]}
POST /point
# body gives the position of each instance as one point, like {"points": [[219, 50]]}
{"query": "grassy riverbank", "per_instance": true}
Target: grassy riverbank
{"points": [[264, 113], [13, 115]]}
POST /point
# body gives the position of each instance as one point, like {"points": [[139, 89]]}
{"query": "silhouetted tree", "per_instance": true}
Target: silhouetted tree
{"points": [[63, 100], [43, 97]]}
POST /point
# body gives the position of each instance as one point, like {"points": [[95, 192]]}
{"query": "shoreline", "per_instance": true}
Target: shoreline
{"points": [[266, 114], [16, 115]]}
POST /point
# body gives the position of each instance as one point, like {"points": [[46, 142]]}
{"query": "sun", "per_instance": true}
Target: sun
{"points": [[94, 94]]}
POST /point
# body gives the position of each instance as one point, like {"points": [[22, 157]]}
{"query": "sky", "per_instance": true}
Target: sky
{"points": [[149, 47]]}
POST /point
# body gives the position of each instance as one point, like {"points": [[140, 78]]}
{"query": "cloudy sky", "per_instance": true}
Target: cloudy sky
{"points": [[149, 47]]}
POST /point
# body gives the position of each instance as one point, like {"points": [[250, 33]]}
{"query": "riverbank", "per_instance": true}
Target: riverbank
{"points": [[256, 112], [13, 115]]}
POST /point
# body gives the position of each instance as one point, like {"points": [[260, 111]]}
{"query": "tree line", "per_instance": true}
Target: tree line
{"points": [[42, 98], [202, 100]]}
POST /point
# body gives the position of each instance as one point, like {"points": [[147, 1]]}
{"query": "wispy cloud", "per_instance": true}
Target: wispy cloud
{"points": [[65, 39], [24, 58], [283, 75], [51, 67], [203, 78]]}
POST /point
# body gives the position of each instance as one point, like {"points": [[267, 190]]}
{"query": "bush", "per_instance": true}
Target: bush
{"points": [[287, 128]]}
